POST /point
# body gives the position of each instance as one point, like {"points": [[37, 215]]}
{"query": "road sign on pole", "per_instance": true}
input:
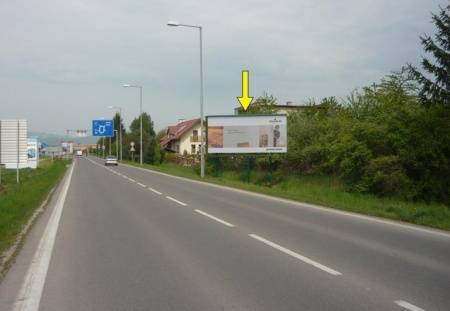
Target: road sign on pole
{"points": [[104, 128]]}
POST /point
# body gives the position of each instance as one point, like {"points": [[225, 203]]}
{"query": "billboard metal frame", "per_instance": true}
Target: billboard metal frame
{"points": [[239, 116], [246, 156]]}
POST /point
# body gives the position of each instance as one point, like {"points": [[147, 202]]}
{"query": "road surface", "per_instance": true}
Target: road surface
{"points": [[130, 239]]}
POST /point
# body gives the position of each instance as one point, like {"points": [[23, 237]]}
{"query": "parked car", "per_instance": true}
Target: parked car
{"points": [[111, 160]]}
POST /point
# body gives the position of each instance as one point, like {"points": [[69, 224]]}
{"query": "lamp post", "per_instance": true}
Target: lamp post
{"points": [[117, 144], [140, 117], [202, 143], [120, 127]]}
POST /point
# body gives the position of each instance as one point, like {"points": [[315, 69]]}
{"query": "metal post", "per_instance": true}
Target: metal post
{"points": [[103, 146], [109, 147], [120, 132], [117, 145], [18, 150], [270, 170], [202, 144], [140, 146], [1, 163]]}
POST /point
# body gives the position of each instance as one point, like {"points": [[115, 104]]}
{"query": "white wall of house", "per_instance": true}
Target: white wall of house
{"points": [[191, 147]]}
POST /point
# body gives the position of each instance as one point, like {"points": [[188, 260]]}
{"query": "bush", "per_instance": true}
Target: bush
{"points": [[381, 140]]}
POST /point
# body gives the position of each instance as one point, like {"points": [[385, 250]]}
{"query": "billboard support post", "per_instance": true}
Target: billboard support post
{"points": [[218, 169], [248, 168], [270, 171]]}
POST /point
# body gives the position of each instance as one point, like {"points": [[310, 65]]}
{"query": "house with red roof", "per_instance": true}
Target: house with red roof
{"points": [[183, 138]]}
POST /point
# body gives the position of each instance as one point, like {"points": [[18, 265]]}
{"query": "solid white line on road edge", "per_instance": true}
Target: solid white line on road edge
{"points": [[155, 191], [31, 291], [214, 218], [295, 255], [408, 306], [175, 200], [142, 185]]}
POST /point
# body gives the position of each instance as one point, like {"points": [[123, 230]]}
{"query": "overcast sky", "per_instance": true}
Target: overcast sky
{"points": [[62, 63]]}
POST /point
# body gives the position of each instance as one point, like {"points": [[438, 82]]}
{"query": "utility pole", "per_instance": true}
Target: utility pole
{"points": [[18, 151]]}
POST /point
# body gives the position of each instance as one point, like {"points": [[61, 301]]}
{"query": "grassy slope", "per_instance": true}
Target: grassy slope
{"points": [[18, 202], [327, 192]]}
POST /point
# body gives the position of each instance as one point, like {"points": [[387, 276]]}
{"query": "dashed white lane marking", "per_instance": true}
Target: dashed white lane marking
{"points": [[295, 255], [176, 201], [131, 179], [155, 191], [214, 218], [408, 306], [142, 185], [31, 291]]}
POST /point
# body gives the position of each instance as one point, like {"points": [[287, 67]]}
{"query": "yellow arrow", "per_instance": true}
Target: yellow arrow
{"points": [[245, 100]]}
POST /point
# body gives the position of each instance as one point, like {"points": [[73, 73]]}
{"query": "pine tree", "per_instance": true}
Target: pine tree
{"points": [[436, 89]]}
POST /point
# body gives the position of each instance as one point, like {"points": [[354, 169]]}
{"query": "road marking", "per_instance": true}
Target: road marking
{"points": [[31, 290], [408, 305], [155, 191], [175, 200], [131, 179], [303, 205], [214, 218], [295, 255], [142, 185]]}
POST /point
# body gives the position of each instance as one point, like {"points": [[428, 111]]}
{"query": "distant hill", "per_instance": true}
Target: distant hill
{"points": [[55, 139]]}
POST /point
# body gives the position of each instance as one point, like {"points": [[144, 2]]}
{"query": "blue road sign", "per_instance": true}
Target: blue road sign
{"points": [[103, 128]]}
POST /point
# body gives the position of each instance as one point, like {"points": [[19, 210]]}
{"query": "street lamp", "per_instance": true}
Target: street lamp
{"points": [[202, 142], [120, 127], [140, 117], [117, 144]]}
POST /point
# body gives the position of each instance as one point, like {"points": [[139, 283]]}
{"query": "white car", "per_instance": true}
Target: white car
{"points": [[111, 160]]}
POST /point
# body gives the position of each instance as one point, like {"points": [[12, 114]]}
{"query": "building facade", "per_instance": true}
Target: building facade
{"points": [[184, 138]]}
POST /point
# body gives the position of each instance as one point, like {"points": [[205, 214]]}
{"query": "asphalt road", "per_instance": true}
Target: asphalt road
{"points": [[130, 239]]}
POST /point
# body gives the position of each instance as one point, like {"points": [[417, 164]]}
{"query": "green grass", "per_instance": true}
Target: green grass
{"points": [[327, 192], [18, 202]]}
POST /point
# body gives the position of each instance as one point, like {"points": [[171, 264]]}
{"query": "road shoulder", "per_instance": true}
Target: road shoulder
{"points": [[11, 283]]}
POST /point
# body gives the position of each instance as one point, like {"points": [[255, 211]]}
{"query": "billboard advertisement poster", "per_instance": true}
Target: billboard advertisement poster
{"points": [[247, 134], [32, 152], [67, 146]]}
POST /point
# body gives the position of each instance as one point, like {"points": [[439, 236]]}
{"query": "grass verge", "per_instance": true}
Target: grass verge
{"points": [[19, 201], [327, 192]]}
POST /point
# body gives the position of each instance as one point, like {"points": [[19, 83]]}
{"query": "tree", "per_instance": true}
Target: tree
{"points": [[118, 124], [148, 137], [436, 89], [262, 105]]}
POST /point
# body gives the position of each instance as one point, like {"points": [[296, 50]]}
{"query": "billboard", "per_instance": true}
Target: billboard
{"points": [[32, 152], [13, 143], [247, 134], [67, 146], [103, 128]]}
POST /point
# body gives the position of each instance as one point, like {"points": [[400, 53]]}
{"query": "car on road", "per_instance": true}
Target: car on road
{"points": [[111, 160]]}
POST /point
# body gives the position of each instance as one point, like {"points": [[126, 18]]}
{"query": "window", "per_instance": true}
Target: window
{"points": [[192, 149], [195, 133]]}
